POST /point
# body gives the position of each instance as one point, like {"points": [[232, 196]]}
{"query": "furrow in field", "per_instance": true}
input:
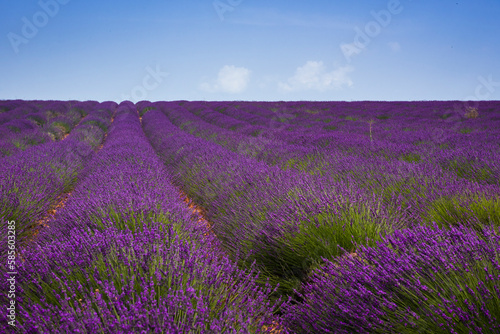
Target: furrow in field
{"points": [[198, 212], [63, 198]]}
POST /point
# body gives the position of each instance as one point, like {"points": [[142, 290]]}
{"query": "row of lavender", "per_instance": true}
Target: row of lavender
{"points": [[416, 186], [289, 221], [32, 181], [436, 132], [310, 118], [367, 170], [429, 135], [125, 255], [26, 124]]}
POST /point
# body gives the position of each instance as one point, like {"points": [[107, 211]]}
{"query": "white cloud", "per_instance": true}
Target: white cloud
{"points": [[231, 79], [395, 47], [313, 76]]}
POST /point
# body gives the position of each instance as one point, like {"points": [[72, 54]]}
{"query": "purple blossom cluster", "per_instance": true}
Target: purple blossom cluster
{"points": [[118, 281]]}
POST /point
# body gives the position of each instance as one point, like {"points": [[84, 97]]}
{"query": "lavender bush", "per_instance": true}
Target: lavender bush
{"points": [[422, 280], [150, 281]]}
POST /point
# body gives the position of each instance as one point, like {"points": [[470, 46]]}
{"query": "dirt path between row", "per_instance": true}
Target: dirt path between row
{"points": [[63, 198], [198, 212], [79, 122]]}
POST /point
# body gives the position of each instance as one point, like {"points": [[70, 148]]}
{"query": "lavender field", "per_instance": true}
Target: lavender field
{"points": [[250, 217]]}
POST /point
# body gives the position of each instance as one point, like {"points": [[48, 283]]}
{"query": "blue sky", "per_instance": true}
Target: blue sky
{"points": [[250, 50]]}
